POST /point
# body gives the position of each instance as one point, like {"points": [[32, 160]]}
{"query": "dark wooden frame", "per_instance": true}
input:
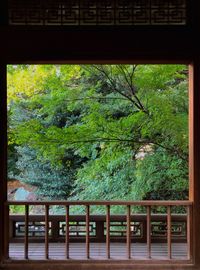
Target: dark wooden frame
{"points": [[104, 45]]}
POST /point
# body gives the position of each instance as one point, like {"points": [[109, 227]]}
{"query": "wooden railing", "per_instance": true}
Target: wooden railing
{"points": [[131, 227]]}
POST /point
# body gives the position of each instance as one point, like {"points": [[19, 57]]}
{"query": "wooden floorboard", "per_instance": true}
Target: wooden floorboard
{"points": [[77, 251]]}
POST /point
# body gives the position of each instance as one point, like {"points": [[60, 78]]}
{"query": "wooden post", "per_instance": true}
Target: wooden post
{"points": [[100, 231], [189, 216], [149, 232], [46, 231], [26, 232], [54, 230], [128, 231], [87, 221], [108, 231], [67, 232], [169, 245]]}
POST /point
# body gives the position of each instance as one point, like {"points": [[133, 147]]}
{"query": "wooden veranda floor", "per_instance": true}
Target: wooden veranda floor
{"points": [[98, 251]]}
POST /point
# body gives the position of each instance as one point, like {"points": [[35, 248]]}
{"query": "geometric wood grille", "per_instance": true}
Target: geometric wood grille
{"points": [[159, 229], [97, 12], [36, 229], [120, 229], [77, 228]]}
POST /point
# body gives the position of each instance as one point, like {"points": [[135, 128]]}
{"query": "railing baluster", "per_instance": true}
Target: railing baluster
{"points": [[148, 232], [128, 231], [189, 216], [169, 239], [88, 231], [26, 230], [67, 232], [47, 231], [108, 231]]}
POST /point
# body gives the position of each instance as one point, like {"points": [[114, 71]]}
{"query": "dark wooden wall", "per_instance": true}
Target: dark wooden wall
{"points": [[31, 44]]}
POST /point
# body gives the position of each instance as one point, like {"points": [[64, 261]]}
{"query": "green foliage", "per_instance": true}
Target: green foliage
{"points": [[109, 177], [162, 176], [100, 131], [51, 181], [17, 209]]}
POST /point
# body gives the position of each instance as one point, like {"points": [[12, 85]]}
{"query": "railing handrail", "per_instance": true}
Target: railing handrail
{"points": [[105, 203], [158, 215]]}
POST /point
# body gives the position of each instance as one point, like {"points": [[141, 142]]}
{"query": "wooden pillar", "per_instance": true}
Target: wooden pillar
{"points": [[3, 163], [194, 153]]}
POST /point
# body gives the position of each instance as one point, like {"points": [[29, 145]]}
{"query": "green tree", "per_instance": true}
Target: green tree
{"points": [[106, 117]]}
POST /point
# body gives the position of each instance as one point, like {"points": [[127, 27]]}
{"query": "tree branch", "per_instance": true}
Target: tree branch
{"points": [[112, 83]]}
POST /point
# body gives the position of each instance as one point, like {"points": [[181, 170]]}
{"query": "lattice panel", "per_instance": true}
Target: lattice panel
{"points": [[77, 228], [35, 229], [159, 229], [119, 228], [97, 12]]}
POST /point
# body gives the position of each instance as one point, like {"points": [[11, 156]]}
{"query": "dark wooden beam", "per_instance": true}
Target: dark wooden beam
{"points": [[25, 44]]}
